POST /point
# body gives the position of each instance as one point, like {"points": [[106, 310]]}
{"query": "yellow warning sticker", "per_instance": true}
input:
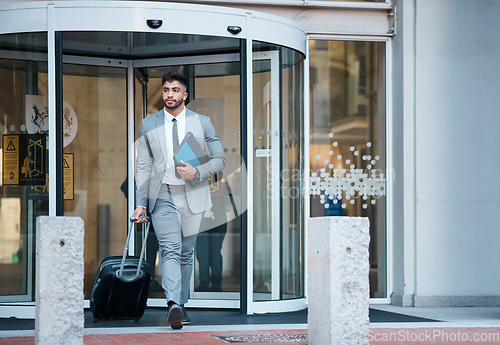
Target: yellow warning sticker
{"points": [[68, 176], [24, 159], [34, 160], [11, 147], [10, 159]]}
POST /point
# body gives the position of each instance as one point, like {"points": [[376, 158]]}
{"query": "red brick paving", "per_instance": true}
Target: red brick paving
{"points": [[378, 336], [17, 340]]}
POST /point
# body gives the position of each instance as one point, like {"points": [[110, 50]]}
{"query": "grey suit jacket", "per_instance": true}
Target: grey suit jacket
{"points": [[152, 155]]}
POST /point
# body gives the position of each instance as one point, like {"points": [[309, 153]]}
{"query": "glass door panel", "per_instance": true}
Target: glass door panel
{"points": [[266, 172], [95, 146], [278, 166], [214, 91], [292, 268], [23, 159], [217, 252]]}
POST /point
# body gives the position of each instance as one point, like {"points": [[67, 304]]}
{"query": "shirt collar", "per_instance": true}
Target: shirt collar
{"points": [[179, 117]]}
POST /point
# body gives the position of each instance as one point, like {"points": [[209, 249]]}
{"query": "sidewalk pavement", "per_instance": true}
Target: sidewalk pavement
{"points": [[463, 326]]}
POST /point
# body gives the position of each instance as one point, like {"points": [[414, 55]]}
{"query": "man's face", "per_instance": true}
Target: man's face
{"points": [[173, 94]]}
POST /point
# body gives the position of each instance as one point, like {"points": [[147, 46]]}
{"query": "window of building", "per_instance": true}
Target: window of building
{"points": [[347, 150]]}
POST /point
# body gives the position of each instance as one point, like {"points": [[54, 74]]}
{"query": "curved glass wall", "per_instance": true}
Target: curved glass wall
{"points": [[278, 145], [23, 155], [110, 81]]}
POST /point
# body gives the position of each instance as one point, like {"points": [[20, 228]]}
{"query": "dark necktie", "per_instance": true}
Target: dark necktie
{"points": [[175, 140]]}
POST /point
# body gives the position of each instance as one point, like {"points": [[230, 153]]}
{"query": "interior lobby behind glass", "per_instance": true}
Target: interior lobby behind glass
{"points": [[23, 159], [96, 108], [347, 152]]}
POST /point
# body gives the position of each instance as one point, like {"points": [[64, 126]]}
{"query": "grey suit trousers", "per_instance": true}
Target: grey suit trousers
{"points": [[176, 228]]}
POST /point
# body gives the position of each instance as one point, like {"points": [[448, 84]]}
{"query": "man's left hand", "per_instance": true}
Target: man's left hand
{"points": [[187, 171]]}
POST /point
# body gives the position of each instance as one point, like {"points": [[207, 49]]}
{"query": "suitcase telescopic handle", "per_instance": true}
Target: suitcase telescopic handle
{"points": [[143, 249]]}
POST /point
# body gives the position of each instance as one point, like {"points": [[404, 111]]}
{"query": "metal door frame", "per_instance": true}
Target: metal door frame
{"points": [[273, 56]]}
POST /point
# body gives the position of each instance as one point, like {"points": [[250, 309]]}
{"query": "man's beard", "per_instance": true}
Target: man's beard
{"points": [[174, 106]]}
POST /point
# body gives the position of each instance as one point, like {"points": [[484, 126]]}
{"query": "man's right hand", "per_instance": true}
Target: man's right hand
{"points": [[139, 212]]}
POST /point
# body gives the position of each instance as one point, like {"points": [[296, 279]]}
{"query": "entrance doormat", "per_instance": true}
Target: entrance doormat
{"points": [[263, 338], [204, 317]]}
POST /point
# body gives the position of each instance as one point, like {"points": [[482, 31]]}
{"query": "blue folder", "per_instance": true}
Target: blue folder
{"points": [[190, 151]]}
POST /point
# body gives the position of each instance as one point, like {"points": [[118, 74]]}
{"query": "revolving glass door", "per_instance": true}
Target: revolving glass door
{"points": [[214, 91]]}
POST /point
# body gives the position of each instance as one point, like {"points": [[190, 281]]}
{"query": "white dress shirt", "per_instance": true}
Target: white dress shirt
{"points": [[170, 177]]}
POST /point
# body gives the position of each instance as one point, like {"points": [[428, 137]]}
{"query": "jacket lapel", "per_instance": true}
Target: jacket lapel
{"points": [[160, 131], [189, 121], [194, 126]]}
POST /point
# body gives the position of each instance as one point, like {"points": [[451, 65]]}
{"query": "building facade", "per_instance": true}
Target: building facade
{"points": [[408, 85], [350, 108]]}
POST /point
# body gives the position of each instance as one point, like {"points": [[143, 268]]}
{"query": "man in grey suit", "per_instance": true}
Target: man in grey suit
{"points": [[176, 196]]}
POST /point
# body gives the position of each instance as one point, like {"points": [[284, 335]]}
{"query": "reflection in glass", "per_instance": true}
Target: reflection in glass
{"points": [[99, 152], [278, 173], [348, 140], [217, 95], [23, 158]]}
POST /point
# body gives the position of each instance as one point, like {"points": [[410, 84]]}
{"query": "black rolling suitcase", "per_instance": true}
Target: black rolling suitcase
{"points": [[121, 285]]}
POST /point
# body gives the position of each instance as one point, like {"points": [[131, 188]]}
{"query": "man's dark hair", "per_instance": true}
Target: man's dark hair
{"points": [[173, 75]]}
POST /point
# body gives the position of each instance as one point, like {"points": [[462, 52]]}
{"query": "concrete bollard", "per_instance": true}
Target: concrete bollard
{"points": [[338, 286], [59, 315]]}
